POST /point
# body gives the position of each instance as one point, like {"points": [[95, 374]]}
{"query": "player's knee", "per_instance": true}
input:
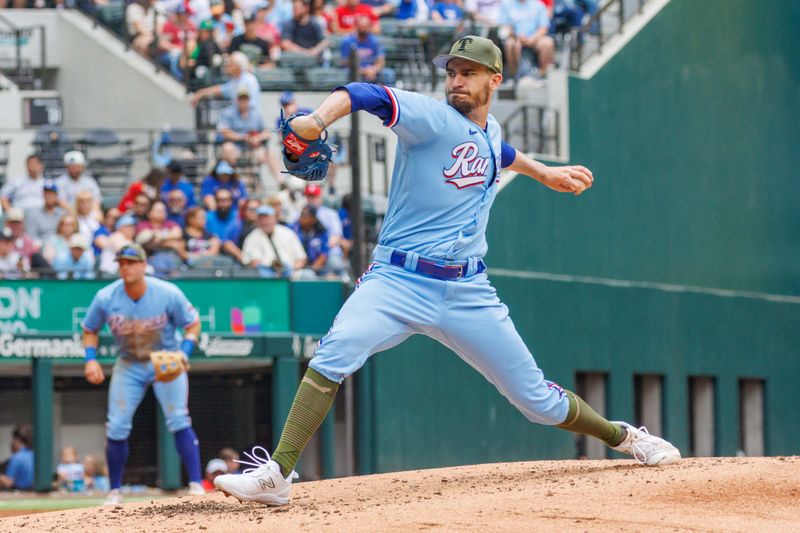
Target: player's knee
{"points": [[178, 421], [118, 430]]}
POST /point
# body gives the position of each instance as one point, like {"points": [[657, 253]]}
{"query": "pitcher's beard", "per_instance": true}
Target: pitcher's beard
{"points": [[465, 105]]}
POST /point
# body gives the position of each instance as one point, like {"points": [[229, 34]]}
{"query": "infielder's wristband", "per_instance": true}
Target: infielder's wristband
{"points": [[187, 346], [91, 353]]}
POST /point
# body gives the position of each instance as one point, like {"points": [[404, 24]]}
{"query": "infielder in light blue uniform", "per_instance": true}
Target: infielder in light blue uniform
{"points": [[143, 314], [428, 276]]}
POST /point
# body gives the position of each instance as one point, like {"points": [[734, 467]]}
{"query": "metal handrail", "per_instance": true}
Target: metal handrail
{"points": [[535, 139], [18, 32], [578, 54]]}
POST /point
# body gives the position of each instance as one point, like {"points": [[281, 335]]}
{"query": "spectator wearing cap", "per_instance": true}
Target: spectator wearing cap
{"points": [[12, 264], [124, 233], [302, 34], [19, 468], [75, 180], [242, 125], [176, 207], [215, 467], [100, 237], [42, 222], [223, 176], [529, 24], [314, 239], [176, 180], [178, 35], [206, 53], [198, 241], [225, 224], [261, 53], [78, 263], [25, 193], [23, 243], [238, 67], [348, 13], [149, 185], [371, 55], [273, 249]]}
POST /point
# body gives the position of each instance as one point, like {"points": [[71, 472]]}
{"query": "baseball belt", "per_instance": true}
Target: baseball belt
{"points": [[435, 269]]}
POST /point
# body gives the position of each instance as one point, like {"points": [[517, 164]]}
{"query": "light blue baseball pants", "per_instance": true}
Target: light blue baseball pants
{"points": [[129, 382], [391, 304]]}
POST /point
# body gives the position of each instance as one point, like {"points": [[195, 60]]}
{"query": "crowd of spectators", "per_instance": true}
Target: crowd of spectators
{"points": [[57, 228], [197, 35]]}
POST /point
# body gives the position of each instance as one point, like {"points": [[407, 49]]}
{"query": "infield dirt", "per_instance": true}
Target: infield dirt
{"points": [[711, 494]]}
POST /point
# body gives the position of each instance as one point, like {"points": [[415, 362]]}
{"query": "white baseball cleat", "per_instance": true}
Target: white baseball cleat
{"points": [[114, 497], [195, 489], [646, 448], [263, 483]]}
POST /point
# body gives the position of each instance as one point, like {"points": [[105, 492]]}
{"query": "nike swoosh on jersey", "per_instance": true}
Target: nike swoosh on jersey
{"points": [[472, 132]]}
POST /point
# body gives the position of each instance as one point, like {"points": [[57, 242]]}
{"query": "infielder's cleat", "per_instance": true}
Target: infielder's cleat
{"points": [[114, 497], [646, 448], [196, 489], [263, 483]]}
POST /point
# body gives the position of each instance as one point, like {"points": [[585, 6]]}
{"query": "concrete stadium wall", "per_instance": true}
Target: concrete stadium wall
{"points": [[691, 131]]}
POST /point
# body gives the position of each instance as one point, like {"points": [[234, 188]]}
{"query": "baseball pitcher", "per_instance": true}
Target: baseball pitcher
{"points": [[143, 314], [428, 276]]}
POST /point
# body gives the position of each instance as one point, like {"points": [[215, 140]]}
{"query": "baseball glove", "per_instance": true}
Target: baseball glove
{"points": [[169, 365], [307, 160]]}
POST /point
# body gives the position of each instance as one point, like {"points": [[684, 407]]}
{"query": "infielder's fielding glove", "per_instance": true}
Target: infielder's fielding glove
{"points": [[169, 365], [307, 160]]}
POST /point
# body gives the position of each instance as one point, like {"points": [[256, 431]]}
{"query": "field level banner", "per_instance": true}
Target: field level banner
{"points": [[241, 307]]}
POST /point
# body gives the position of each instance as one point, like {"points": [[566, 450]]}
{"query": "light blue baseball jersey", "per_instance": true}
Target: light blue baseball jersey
{"points": [[446, 173], [143, 326]]}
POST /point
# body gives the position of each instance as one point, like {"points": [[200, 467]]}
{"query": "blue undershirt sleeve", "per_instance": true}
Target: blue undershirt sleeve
{"points": [[507, 155], [374, 99]]}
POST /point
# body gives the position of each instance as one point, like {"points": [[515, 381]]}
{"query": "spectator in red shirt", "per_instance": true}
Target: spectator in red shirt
{"points": [[150, 186], [348, 13]]}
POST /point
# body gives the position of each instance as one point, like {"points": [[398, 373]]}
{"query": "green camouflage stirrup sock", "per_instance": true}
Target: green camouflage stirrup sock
{"points": [[312, 402], [582, 419]]}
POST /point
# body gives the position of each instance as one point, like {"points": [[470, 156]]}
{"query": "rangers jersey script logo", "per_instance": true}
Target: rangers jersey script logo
{"points": [[468, 169]]}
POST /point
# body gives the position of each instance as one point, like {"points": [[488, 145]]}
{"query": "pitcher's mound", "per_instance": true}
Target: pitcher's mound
{"points": [[714, 494]]}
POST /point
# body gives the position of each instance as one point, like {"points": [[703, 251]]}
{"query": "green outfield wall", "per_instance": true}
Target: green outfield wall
{"points": [[681, 261]]}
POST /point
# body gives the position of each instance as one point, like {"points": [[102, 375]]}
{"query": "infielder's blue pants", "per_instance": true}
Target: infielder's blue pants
{"points": [[391, 304], [129, 382]]}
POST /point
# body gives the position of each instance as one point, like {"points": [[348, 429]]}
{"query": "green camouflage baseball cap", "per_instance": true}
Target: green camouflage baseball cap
{"points": [[132, 252], [473, 48]]}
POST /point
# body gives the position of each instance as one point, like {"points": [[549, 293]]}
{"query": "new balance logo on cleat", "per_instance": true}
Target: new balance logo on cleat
{"points": [[266, 483]]}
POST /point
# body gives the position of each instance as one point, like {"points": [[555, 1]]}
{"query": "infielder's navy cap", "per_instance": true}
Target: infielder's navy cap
{"points": [[132, 251]]}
